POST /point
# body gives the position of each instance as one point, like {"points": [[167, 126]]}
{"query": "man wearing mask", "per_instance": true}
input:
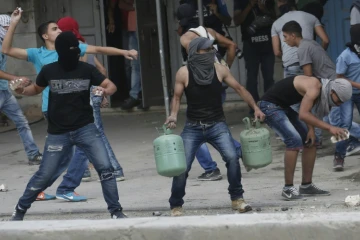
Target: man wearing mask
{"points": [[189, 29], [255, 18], [9, 105], [308, 23], [311, 93], [205, 119], [71, 123], [355, 13]]}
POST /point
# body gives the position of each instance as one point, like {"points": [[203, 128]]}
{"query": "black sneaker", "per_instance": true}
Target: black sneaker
{"points": [[118, 214], [36, 160], [130, 103], [18, 214], [291, 194], [312, 190], [210, 176], [338, 163]]}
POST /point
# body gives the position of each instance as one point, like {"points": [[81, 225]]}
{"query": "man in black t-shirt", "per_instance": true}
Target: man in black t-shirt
{"points": [[256, 37], [70, 123]]}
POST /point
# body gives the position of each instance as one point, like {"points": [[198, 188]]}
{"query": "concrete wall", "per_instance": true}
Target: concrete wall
{"points": [[25, 37], [329, 226]]}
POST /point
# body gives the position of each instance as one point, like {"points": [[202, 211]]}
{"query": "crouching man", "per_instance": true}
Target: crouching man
{"points": [[201, 80], [310, 92], [70, 123]]}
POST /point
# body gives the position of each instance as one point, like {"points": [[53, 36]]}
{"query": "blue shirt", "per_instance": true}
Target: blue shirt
{"points": [[4, 84], [348, 64], [41, 57]]}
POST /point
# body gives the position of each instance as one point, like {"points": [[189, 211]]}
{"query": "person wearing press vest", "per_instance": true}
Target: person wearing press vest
{"points": [[255, 18]]}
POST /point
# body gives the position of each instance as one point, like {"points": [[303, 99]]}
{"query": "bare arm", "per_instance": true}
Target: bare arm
{"points": [[320, 32], [307, 68], [7, 48], [110, 10], [240, 15], [100, 67], [7, 76], [178, 92], [109, 87], [30, 90], [226, 43], [353, 84], [243, 93], [276, 46], [111, 51]]}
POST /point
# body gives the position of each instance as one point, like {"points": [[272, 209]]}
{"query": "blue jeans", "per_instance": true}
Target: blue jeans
{"points": [[203, 155], [79, 162], [135, 67], [56, 160], [285, 122], [11, 108], [219, 136], [342, 117]]}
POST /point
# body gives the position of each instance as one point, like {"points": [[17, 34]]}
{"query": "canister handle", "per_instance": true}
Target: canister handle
{"points": [[247, 123]]}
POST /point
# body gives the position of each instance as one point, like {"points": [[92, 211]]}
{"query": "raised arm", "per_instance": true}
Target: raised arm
{"points": [[111, 51], [226, 43], [243, 93], [7, 48], [179, 87]]}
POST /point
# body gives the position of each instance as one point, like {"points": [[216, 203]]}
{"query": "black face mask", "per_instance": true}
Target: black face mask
{"points": [[67, 47]]}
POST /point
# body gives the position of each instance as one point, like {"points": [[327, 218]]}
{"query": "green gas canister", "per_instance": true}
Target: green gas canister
{"points": [[255, 145], [169, 154]]}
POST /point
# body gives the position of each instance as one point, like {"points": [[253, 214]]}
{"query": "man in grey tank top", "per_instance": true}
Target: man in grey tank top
{"points": [[308, 22]]}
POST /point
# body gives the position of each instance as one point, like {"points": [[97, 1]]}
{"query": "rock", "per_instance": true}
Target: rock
{"points": [[328, 205], [346, 189], [284, 209], [3, 188], [276, 209], [156, 214], [352, 201], [313, 207], [258, 209]]}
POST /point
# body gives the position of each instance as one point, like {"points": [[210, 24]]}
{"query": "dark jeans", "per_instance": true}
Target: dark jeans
{"points": [[219, 136], [56, 158], [79, 162], [253, 60], [203, 155]]}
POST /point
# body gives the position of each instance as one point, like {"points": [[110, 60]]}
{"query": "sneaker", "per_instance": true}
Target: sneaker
{"points": [[87, 176], [214, 175], [71, 197], [118, 214], [338, 163], [240, 205], [291, 194], [18, 214], [36, 160], [130, 103], [312, 190], [177, 212], [352, 149], [45, 197], [120, 178]]}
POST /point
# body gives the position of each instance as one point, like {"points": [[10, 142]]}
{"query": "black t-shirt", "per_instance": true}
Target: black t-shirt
{"points": [[69, 97], [261, 41]]}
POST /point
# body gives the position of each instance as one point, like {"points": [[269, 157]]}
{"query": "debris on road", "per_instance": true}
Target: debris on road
{"points": [[352, 201], [3, 188]]}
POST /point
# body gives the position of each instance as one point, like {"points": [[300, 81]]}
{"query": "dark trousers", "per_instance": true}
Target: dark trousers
{"points": [[253, 59]]}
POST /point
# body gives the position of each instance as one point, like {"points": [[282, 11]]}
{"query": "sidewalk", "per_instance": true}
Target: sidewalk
{"points": [[144, 191]]}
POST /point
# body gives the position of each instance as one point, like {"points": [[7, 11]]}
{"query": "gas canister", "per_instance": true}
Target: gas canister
{"points": [[169, 154], [255, 145]]}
